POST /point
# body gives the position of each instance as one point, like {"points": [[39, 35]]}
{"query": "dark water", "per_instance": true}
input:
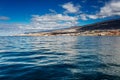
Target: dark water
{"points": [[60, 58]]}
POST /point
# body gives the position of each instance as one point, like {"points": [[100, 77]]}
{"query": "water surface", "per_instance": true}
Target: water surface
{"points": [[60, 58]]}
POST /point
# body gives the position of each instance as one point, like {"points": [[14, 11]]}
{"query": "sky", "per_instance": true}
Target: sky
{"points": [[19, 16]]}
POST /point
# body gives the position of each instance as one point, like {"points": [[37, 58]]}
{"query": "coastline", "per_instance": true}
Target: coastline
{"points": [[104, 28], [75, 33]]}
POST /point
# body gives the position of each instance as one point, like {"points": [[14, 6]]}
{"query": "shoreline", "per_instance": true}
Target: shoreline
{"points": [[74, 33]]}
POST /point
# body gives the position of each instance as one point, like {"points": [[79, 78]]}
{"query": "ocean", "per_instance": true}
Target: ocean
{"points": [[60, 58]]}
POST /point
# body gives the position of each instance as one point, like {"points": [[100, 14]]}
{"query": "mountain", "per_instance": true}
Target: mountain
{"points": [[104, 28], [110, 24]]}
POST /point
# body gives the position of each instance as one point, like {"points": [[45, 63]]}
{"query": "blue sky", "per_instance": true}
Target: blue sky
{"points": [[18, 16]]}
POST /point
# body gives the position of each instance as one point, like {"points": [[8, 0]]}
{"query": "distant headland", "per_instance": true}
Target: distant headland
{"points": [[104, 28]]}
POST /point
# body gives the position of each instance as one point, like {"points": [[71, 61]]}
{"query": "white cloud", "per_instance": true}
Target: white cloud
{"points": [[70, 7], [52, 21], [111, 8], [83, 17], [4, 18], [87, 16], [92, 16]]}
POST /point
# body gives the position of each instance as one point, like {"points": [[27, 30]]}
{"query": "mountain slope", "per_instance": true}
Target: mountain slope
{"points": [[110, 27], [111, 24]]}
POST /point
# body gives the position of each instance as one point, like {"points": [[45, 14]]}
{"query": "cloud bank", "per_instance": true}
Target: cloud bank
{"points": [[52, 21], [111, 8]]}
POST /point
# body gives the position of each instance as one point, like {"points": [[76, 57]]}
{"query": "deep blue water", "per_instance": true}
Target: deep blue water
{"points": [[60, 58]]}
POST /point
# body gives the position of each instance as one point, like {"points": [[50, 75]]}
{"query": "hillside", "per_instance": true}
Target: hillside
{"points": [[110, 27], [111, 24]]}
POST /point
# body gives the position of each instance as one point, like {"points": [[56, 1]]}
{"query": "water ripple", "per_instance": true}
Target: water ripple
{"points": [[59, 58]]}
